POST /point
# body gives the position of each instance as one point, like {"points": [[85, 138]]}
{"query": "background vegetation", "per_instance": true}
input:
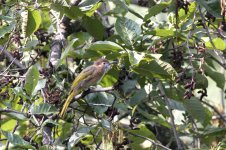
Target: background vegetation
{"points": [[167, 91]]}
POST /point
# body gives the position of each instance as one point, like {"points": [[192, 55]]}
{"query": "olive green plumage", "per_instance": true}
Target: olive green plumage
{"points": [[88, 77]]}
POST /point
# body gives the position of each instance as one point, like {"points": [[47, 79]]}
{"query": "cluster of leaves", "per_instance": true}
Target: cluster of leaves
{"points": [[171, 60]]}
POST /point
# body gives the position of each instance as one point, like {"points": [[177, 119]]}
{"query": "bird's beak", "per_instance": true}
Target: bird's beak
{"points": [[114, 62]]}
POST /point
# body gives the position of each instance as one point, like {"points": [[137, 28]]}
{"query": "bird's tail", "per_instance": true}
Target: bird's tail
{"points": [[67, 103]]}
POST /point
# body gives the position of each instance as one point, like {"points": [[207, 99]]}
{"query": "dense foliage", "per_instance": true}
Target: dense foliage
{"points": [[166, 92]]}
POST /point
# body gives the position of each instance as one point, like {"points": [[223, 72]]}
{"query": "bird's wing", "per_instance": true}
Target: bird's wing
{"points": [[86, 73]]}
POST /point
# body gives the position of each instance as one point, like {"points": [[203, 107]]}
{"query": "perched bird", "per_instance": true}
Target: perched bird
{"points": [[88, 77]]}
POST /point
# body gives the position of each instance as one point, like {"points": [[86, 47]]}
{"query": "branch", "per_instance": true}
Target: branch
{"points": [[14, 111], [150, 140], [11, 58], [179, 145], [215, 110], [208, 33], [107, 89], [15, 127], [13, 76], [204, 94]]}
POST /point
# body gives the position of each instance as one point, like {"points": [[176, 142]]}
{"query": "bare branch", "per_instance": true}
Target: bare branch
{"points": [[107, 89], [150, 140], [11, 58], [13, 111], [215, 110], [208, 34], [179, 145], [13, 76]]}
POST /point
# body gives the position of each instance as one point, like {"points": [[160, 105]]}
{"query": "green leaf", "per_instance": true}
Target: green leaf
{"points": [[17, 140], [17, 116], [207, 6], [175, 93], [128, 87], [176, 105], [214, 132], [143, 131], [128, 30], [156, 9], [201, 81], [106, 124], [94, 27], [219, 78], [66, 129], [83, 38], [137, 97], [105, 46], [72, 12], [154, 118], [66, 52], [121, 8], [49, 121], [110, 78], [43, 108], [194, 107], [218, 42], [40, 85], [33, 21], [46, 147], [6, 29], [135, 57], [46, 19], [99, 101], [89, 10], [151, 67], [162, 32], [31, 80], [75, 138]]}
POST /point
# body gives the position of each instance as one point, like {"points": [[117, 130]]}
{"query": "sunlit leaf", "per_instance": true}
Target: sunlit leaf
{"points": [[207, 6], [128, 30], [218, 43], [43, 108], [106, 124], [6, 29], [75, 138], [17, 140], [94, 27], [155, 68], [72, 12], [162, 32], [142, 131], [195, 109], [105, 46], [219, 78], [33, 22], [156, 9], [31, 80]]}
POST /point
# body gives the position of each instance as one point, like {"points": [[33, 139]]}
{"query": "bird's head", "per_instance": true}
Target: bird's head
{"points": [[103, 64]]}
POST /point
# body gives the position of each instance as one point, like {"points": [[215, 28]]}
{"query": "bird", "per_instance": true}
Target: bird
{"points": [[88, 77]]}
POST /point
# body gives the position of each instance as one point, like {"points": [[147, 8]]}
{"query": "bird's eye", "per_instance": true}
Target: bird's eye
{"points": [[104, 63]]}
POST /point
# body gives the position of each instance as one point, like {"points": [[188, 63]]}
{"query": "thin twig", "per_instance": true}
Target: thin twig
{"points": [[215, 110], [13, 111], [107, 89], [14, 129], [160, 86], [208, 34], [14, 76], [8, 67], [196, 140], [16, 126], [11, 58], [204, 94], [150, 140]]}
